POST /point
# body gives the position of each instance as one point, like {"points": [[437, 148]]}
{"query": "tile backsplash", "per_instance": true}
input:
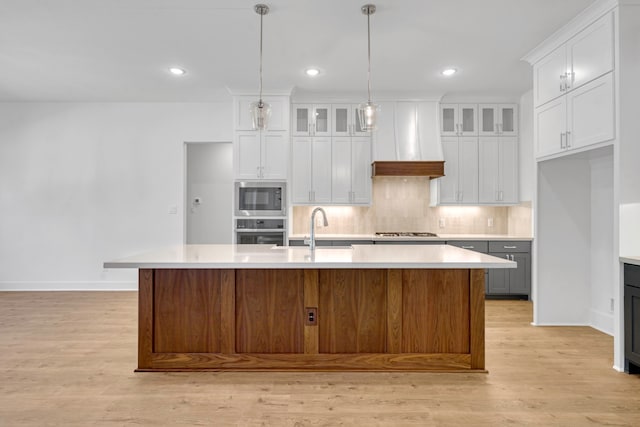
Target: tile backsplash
{"points": [[402, 204]]}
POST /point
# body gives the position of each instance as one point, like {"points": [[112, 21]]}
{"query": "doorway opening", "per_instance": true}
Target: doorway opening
{"points": [[208, 193]]}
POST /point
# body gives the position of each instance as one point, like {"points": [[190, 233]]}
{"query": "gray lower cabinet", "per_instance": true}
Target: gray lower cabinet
{"points": [[632, 318], [510, 282], [477, 246]]}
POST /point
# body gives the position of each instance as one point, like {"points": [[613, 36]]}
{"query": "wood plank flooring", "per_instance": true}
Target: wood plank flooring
{"points": [[67, 359]]}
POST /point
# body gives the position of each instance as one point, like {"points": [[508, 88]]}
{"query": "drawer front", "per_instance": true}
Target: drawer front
{"points": [[632, 275], [472, 245], [509, 246]]}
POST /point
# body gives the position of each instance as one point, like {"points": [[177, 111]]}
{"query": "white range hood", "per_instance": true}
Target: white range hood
{"points": [[407, 142]]}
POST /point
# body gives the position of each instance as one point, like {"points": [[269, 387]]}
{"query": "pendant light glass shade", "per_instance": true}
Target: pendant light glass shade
{"points": [[368, 111], [260, 110], [260, 114], [368, 116]]}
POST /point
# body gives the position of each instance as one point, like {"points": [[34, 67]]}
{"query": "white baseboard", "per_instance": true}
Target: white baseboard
{"points": [[68, 286], [558, 324], [602, 321]]}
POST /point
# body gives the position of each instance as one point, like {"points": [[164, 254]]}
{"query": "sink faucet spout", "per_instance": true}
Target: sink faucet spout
{"points": [[312, 227]]}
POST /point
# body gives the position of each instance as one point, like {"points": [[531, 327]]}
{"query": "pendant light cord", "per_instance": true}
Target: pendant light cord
{"points": [[260, 101], [369, 55]]}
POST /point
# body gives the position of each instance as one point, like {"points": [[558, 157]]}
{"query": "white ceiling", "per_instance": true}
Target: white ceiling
{"points": [[119, 50]]}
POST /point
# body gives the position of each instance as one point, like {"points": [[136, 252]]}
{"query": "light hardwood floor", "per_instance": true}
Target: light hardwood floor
{"points": [[67, 359]]}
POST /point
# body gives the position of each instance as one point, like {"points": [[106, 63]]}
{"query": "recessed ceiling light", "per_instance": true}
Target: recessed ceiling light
{"points": [[449, 72], [177, 71], [312, 72]]}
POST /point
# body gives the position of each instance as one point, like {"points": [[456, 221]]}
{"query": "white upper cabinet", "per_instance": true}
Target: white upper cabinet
{"points": [[458, 119], [345, 120], [590, 52], [311, 170], [311, 120], [261, 155], [459, 185], [498, 172], [585, 57], [549, 75], [351, 170], [550, 123], [278, 121], [498, 119], [584, 117]]}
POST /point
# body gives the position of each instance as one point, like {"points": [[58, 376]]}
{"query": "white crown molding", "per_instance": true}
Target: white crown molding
{"points": [[577, 24]]}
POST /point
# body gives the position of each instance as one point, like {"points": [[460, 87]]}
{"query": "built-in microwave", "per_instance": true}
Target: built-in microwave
{"points": [[260, 198]]}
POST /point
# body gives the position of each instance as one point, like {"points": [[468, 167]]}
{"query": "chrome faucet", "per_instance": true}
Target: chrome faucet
{"points": [[312, 231]]}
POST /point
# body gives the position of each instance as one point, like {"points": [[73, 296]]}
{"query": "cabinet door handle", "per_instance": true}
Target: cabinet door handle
{"points": [[501, 195], [562, 82], [510, 247], [467, 247], [309, 128], [568, 80], [315, 128], [562, 144], [512, 258], [567, 143], [507, 256]]}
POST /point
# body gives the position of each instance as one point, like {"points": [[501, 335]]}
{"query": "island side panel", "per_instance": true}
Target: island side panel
{"points": [[477, 318], [352, 312], [145, 318], [269, 311], [228, 311], [435, 311], [311, 302], [394, 311], [187, 305]]}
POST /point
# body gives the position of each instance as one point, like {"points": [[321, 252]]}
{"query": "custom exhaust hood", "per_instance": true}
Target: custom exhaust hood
{"points": [[407, 142]]}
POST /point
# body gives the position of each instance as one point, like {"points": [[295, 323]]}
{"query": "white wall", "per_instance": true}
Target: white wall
{"points": [[83, 183], [602, 231], [525, 152]]}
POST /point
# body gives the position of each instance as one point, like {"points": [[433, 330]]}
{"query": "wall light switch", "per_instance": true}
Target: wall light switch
{"points": [[442, 222], [489, 222]]}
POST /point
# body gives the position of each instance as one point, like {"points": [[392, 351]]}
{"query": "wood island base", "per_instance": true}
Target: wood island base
{"points": [[311, 320]]}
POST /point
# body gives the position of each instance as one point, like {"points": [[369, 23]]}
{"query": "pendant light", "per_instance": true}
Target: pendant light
{"points": [[260, 111], [368, 111]]}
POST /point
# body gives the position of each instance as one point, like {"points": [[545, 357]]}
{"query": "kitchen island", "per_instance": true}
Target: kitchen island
{"points": [[256, 307]]}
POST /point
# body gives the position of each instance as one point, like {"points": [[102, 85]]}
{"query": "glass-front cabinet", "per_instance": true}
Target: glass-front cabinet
{"points": [[498, 119], [311, 120], [346, 121], [458, 119]]}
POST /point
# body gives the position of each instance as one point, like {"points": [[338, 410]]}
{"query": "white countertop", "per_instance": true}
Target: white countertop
{"points": [[267, 256], [630, 259], [440, 238]]}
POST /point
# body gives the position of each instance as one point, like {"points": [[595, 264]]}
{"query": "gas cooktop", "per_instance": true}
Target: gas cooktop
{"points": [[405, 234]]}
